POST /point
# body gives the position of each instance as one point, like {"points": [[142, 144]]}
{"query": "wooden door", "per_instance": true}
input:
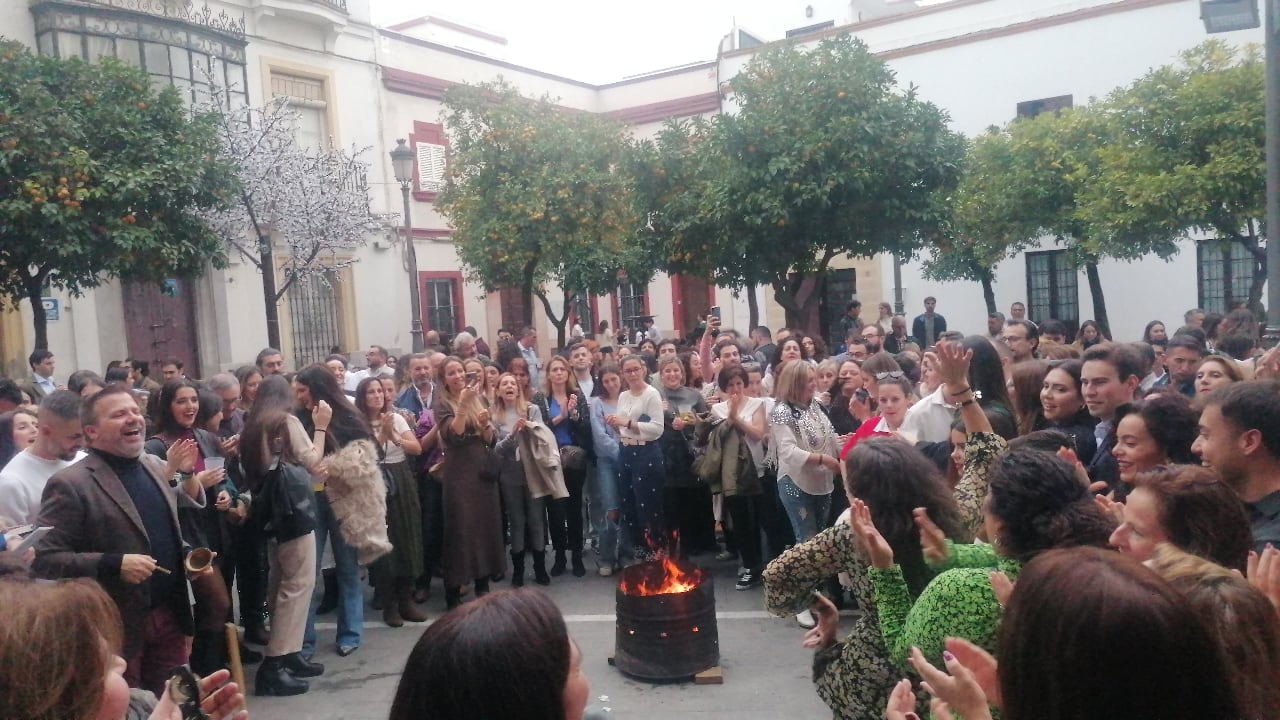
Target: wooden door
{"points": [[160, 322]]}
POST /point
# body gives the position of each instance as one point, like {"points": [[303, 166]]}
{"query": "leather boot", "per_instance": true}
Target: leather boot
{"points": [[300, 667], [557, 567], [208, 652], [248, 655], [578, 568], [482, 587], [540, 567], [404, 598], [329, 602], [517, 568], [452, 597], [390, 608], [273, 679]]}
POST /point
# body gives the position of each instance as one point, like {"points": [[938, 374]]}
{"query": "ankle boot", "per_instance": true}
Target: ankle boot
{"points": [[578, 568], [300, 667], [248, 655], [274, 680], [452, 597], [517, 568], [255, 632], [481, 587], [557, 567], [330, 600], [540, 567], [404, 598], [390, 606], [208, 652]]}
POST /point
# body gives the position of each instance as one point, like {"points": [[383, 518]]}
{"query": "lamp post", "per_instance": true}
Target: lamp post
{"points": [[402, 166], [1226, 16]]}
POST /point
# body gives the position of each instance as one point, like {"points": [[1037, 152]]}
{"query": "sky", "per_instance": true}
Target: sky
{"points": [[604, 40]]}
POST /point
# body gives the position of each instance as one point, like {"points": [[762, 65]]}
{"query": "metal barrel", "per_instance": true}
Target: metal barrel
{"points": [[667, 637]]}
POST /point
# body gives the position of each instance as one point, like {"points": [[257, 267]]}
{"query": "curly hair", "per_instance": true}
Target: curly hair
{"points": [[1199, 513], [1171, 422], [1043, 505]]}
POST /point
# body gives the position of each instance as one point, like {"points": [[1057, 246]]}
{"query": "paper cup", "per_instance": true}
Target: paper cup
{"points": [[214, 463]]}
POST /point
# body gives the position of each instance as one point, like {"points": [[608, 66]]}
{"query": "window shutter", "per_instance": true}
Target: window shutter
{"points": [[430, 167]]}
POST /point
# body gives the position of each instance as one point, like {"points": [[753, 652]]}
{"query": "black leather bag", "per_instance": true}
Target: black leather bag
{"points": [[291, 502]]}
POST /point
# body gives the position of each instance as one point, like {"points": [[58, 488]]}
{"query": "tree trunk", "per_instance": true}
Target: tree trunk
{"points": [[40, 323], [988, 291], [1099, 301], [1259, 277], [560, 322], [527, 292], [267, 264], [753, 309]]}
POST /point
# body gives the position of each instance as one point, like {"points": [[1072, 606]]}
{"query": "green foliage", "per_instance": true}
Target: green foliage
{"points": [[100, 176], [538, 195], [825, 155]]}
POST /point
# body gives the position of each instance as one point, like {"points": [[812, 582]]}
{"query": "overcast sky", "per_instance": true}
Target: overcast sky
{"points": [[605, 40]]}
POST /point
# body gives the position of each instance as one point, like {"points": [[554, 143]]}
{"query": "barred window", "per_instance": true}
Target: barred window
{"points": [[1053, 288], [1224, 273]]}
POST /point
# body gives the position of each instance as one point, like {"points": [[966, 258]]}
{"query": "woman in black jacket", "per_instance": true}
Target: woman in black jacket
{"points": [[566, 412]]}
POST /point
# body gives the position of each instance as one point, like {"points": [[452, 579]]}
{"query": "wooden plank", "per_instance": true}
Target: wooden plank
{"points": [[710, 676]]}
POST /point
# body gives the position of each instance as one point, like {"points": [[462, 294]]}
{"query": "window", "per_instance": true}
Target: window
{"points": [[314, 311], [1224, 273], [1052, 289], [442, 303], [631, 304], [1032, 108], [306, 97], [840, 288]]}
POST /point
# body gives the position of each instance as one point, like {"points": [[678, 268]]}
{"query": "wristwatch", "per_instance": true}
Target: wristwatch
{"points": [[180, 477]]}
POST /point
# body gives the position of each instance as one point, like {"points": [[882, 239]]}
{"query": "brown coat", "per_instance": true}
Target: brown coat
{"points": [[91, 515]]}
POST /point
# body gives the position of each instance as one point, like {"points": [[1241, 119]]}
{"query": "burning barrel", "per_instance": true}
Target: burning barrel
{"points": [[666, 622]]}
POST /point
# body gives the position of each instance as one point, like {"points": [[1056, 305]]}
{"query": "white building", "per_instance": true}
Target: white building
{"points": [[984, 61]]}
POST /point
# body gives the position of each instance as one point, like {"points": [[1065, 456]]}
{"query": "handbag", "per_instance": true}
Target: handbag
{"points": [[573, 457], [292, 502], [387, 478]]}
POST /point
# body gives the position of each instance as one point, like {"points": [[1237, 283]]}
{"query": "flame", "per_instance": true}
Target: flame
{"points": [[661, 577]]}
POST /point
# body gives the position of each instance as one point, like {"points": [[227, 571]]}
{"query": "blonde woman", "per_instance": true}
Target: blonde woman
{"points": [[568, 416], [473, 547], [512, 415]]}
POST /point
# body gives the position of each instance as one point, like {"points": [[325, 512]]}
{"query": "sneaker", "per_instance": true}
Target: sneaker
{"points": [[606, 570], [726, 555], [806, 619], [747, 579]]}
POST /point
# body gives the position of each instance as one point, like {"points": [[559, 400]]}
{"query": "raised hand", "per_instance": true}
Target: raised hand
{"points": [[823, 635], [222, 700], [181, 456], [902, 703], [321, 415], [932, 540], [980, 662], [872, 542], [959, 690], [952, 361], [1264, 573]]}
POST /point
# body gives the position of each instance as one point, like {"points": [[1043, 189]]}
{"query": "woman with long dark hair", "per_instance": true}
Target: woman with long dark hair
{"points": [[473, 547], [395, 573], [315, 388], [688, 506], [250, 378], [855, 676], [277, 456], [1090, 334], [1062, 403], [177, 408], [1155, 332], [18, 430], [526, 515]]}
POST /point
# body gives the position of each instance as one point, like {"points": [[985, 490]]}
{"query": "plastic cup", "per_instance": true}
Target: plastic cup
{"points": [[215, 463]]}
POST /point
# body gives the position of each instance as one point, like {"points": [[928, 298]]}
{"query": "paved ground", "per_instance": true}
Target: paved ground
{"points": [[766, 671]]}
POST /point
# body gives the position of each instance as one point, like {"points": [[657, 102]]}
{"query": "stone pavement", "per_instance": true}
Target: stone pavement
{"points": [[766, 670]]}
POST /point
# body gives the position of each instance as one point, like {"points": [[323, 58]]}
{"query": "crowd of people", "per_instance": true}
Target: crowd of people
{"points": [[978, 498]]}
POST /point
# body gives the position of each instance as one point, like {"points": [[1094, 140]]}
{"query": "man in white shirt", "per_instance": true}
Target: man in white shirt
{"points": [[528, 346], [59, 444], [377, 359]]}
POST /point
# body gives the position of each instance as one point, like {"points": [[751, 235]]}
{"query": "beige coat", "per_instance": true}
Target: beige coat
{"points": [[540, 455]]}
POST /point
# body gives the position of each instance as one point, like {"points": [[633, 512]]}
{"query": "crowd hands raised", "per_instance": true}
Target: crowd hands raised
{"points": [[986, 484]]}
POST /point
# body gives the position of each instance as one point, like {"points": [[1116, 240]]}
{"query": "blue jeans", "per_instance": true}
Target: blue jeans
{"points": [[350, 592], [641, 476], [808, 513], [609, 502]]}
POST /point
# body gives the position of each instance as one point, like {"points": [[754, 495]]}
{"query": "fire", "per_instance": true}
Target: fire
{"points": [[661, 577]]}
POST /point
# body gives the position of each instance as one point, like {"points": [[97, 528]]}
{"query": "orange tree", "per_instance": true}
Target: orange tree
{"points": [[101, 176], [538, 196], [821, 154]]}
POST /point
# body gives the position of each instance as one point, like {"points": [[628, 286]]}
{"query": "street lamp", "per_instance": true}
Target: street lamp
{"points": [[402, 166], [1226, 16]]}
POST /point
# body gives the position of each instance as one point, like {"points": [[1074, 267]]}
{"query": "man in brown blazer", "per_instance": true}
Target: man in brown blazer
{"points": [[114, 518]]}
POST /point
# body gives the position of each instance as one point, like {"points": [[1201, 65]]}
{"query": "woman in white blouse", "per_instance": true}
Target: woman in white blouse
{"points": [[641, 474]]}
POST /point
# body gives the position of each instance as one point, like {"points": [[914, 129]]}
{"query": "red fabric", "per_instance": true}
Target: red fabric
{"points": [[865, 430]]}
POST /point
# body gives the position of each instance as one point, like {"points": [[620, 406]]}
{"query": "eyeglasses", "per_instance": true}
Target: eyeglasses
{"points": [[894, 374], [1012, 338]]}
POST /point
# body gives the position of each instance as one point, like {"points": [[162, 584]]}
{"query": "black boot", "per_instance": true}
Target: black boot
{"points": [[578, 568], [248, 655], [452, 597], [517, 568], [273, 679], [256, 632], [540, 567], [330, 600], [481, 587], [208, 652], [300, 667], [557, 567]]}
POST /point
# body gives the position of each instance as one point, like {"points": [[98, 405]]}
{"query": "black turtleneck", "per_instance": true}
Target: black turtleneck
{"points": [[153, 509]]}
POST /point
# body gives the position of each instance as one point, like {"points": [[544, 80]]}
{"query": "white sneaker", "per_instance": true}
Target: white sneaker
{"points": [[806, 619]]}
